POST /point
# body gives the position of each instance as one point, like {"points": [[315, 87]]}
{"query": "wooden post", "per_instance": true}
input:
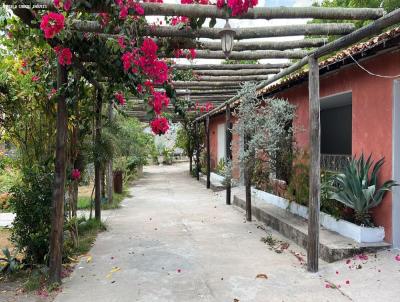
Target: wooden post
{"points": [[97, 163], [228, 151], [57, 219], [315, 138], [110, 162], [247, 181], [197, 138], [207, 128]]}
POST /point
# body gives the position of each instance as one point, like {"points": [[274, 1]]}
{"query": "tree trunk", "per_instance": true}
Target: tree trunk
{"points": [[57, 221], [97, 163], [110, 190]]}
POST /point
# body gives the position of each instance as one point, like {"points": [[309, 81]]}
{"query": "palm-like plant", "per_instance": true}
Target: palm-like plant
{"points": [[358, 187]]}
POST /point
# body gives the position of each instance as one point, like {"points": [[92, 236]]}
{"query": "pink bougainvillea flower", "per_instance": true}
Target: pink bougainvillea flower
{"points": [[187, 1], [51, 24], [123, 13], [64, 55], [139, 88], [203, 2], [220, 3], [119, 2], [159, 125], [149, 48], [121, 42], [120, 98], [327, 285], [179, 20], [75, 174], [178, 53], [138, 9], [192, 53], [35, 78], [158, 100], [127, 60], [104, 19], [66, 4], [397, 258], [362, 257], [52, 93], [209, 106]]}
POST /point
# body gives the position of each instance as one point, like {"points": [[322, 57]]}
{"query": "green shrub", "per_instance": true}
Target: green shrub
{"points": [[31, 200], [298, 188], [358, 188], [220, 168]]}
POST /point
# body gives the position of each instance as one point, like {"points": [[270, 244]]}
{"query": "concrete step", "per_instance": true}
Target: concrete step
{"points": [[333, 246]]}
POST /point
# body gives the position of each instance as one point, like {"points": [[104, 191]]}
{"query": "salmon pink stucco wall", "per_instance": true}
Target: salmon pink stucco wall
{"points": [[372, 99], [214, 122]]}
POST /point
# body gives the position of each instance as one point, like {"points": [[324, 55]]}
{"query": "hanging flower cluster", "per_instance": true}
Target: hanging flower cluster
{"points": [[159, 125], [158, 100], [65, 4], [64, 55], [119, 96], [144, 61], [51, 24]]}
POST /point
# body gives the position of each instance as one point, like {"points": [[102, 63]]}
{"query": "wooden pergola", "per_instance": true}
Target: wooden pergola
{"points": [[220, 83]]}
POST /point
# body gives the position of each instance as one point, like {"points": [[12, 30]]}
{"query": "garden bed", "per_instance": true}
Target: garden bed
{"points": [[358, 233]]}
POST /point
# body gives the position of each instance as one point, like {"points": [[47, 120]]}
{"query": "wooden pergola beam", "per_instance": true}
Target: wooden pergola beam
{"points": [[205, 92], [248, 55], [211, 11], [241, 33], [196, 84], [239, 79], [356, 36], [229, 66], [245, 72], [221, 97], [245, 45]]}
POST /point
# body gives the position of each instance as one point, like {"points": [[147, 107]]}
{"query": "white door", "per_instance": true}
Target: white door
{"points": [[396, 164], [221, 141]]}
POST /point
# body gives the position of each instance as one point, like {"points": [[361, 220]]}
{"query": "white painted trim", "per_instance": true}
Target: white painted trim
{"points": [[396, 164]]}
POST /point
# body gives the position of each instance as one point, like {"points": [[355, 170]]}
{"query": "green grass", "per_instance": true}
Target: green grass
{"points": [[88, 230], [84, 201]]}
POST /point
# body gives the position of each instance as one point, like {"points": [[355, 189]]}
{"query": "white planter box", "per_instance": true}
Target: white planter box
{"points": [[214, 177], [343, 227]]}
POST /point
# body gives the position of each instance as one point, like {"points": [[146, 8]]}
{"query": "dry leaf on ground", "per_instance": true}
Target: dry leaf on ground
{"points": [[261, 276]]}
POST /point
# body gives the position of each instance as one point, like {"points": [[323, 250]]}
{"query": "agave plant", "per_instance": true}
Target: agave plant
{"points": [[358, 187]]}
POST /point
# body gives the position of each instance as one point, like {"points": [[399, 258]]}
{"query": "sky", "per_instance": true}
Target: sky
{"points": [[236, 23]]}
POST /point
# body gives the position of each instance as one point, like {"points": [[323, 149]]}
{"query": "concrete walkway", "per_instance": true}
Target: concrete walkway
{"points": [[175, 241]]}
